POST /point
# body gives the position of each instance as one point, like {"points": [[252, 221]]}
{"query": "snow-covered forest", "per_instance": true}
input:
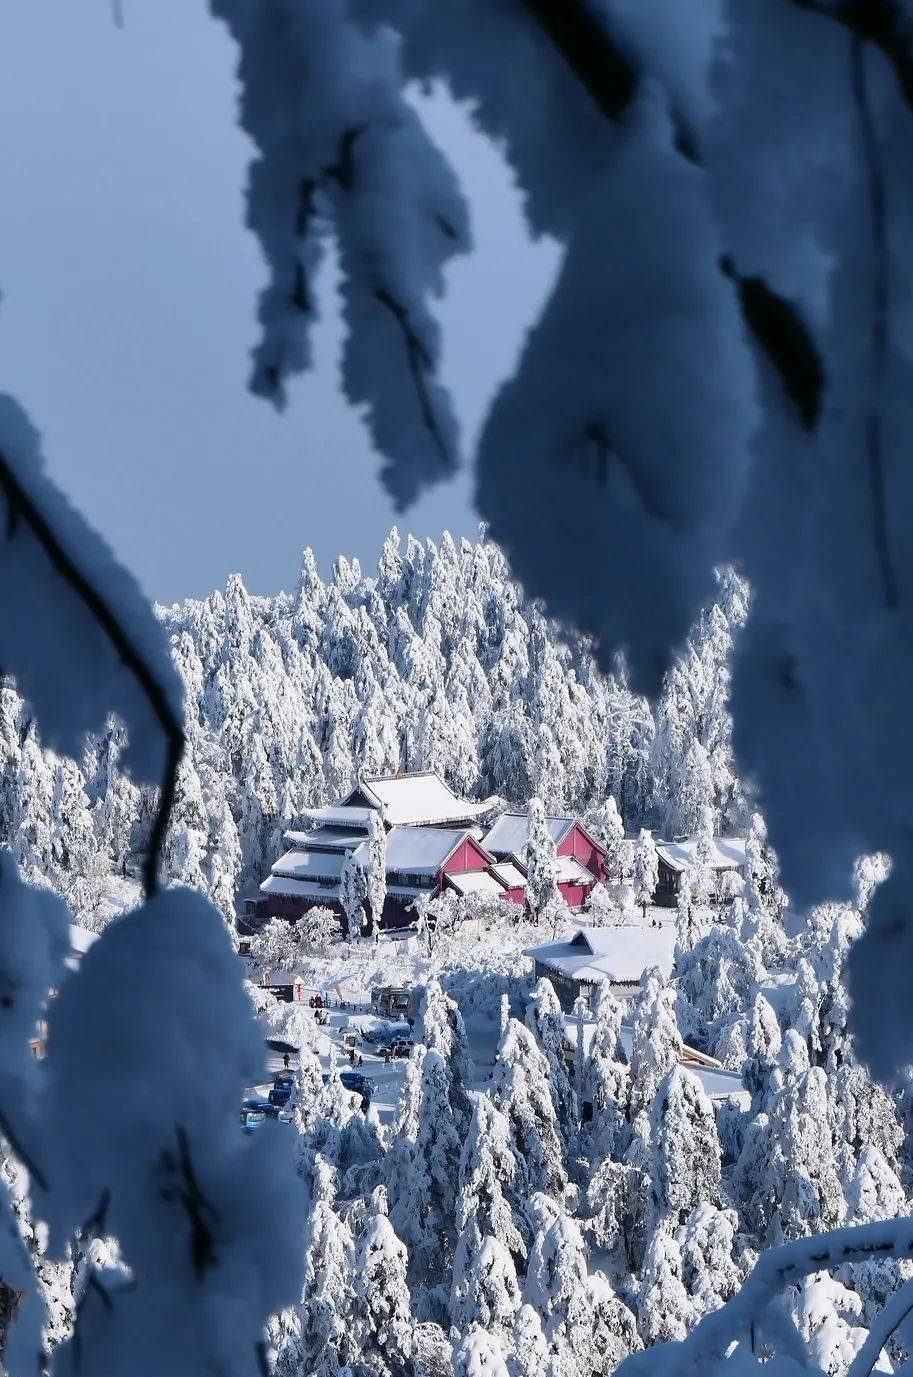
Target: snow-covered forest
{"points": [[435, 661], [720, 375], [491, 1226]]}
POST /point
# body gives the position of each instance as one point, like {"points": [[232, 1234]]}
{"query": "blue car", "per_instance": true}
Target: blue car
{"points": [[255, 1104], [354, 1080], [280, 1094]]}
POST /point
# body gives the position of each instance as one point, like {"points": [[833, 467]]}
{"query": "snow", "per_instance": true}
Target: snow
{"points": [[301, 865], [475, 882], [728, 853], [422, 797], [305, 889], [568, 870], [329, 838], [509, 835], [508, 872], [421, 850], [81, 940], [148, 1055], [338, 815], [618, 954]]}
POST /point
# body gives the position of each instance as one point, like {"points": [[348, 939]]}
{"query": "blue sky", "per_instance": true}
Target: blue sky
{"points": [[129, 289]]}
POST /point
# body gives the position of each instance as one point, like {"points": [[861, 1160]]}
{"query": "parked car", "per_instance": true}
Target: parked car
{"points": [[354, 1080], [251, 1119], [283, 1078], [255, 1104], [382, 1034], [281, 1094], [399, 1047]]}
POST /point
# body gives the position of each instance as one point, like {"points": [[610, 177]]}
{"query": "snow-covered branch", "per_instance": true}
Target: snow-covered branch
{"points": [[742, 1320]]}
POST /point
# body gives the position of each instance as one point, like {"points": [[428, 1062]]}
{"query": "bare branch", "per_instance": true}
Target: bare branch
{"points": [[878, 22], [878, 343], [581, 38], [22, 508], [419, 364]]}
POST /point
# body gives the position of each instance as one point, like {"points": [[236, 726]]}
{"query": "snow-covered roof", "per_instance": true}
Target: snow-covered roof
{"points": [[510, 833], [340, 816], [413, 799], [81, 939], [510, 874], [300, 889], [569, 871], [728, 853], [421, 850], [310, 865], [327, 838], [617, 954], [476, 882]]}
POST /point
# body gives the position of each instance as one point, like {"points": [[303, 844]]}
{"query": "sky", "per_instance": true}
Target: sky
{"points": [[129, 287]]}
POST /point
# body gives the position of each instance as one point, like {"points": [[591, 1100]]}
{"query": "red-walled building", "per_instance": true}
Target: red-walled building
{"points": [[434, 841], [581, 860], [431, 838]]}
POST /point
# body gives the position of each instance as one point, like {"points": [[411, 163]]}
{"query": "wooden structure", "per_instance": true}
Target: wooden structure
{"points": [[676, 857]]}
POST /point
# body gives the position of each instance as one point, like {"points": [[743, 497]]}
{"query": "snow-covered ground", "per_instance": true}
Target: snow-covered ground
{"points": [[476, 968]]}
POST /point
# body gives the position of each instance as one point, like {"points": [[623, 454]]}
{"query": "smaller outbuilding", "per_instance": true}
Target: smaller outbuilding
{"points": [[576, 966], [675, 857]]}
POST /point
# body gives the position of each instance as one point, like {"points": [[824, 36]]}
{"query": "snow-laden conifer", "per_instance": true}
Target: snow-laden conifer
{"points": [[687, 1147], [521, 1090], [382, 1327], [541, 861], [545, 1018], [656, 1044], [422, 1171], [646, 869]]}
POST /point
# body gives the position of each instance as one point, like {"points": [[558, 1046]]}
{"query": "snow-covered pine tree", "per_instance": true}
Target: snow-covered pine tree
{"points": [[604, 822], [664, 1310], [605, 1076], [557, 1287], [479, 1353], [646, 869], [541, 860], [656, 1042], [486, 1291], [353, 891], [521, 1090], [687, 1148], [376, 872], [442, 1030], [325, 1344], [493, 1185], [545, 1018], [422, 1176], [382, 1327]]}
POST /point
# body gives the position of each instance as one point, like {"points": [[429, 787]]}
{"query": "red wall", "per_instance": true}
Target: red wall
{"points": [[468, 856], [579, 845], [574, 895]]}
